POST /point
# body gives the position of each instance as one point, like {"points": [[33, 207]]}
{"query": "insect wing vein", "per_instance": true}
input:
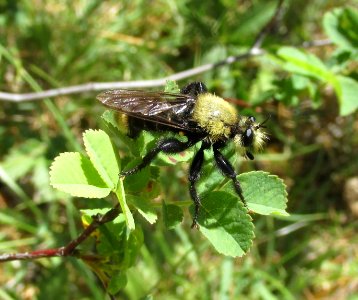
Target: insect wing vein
{"points": [[152, 106]]}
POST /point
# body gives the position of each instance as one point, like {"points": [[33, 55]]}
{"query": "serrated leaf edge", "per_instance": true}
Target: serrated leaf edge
{"points": [[250, 221], [57, 185], [272, 176], [54, 162], [107, 179]]}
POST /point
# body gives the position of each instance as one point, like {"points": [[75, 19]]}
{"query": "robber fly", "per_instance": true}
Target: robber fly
{"points": [[196, 113]]}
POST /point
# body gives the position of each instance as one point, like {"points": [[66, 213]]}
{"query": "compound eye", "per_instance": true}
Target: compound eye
{"points": [[248, 137], [252, 119]]}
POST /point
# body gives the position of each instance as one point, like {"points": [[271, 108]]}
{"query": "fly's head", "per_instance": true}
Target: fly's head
{"points": [[250, 136]]}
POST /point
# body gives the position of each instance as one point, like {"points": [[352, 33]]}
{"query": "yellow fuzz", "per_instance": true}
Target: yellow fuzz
{"points": [[123, 123], [259, 140], [239, 147], [238, 138], [215, 115]]}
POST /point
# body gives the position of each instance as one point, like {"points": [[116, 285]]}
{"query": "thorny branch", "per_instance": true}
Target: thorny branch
{"points": [[70, 248], [255, 50]]}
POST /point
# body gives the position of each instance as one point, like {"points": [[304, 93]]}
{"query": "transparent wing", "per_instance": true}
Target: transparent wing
{"points": [[165, 108]]}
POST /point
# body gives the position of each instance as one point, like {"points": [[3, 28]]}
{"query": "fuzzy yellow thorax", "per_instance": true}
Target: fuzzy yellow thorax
{"points": [[215, 115]]}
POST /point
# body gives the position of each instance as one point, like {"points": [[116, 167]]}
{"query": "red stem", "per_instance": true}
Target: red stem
{"points": [[69, 249]]}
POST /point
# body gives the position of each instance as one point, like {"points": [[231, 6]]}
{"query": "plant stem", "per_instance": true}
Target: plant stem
{"points": [[70, 248]]}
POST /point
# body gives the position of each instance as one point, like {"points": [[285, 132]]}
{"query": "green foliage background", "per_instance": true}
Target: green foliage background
{"points": [[313, 147]]}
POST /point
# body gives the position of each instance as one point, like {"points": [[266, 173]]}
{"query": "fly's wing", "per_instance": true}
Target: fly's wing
{"points": [[159, 107]]}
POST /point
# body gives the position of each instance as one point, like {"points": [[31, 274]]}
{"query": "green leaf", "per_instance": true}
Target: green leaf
{"points": [[226, 224], [111, 236], [112, 240], [137, 181], [341, 26], [261, 88], [347, 94], [300, 82], [264, 193], [299, 62], [109, 118], [73, 173], [171, 87], [145, 142], [174, 158], [144, 207], [211, 177], [100, 151], [117, 248], [41, 181], [121, 196], [168, 159], [87, 214], [117, 129], [22, 159], [172, 215], [133, 246], [309, 65], [117, 282]]}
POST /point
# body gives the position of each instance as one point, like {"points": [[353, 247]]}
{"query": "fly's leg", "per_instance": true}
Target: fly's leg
{"points": [[194, 175], [169, 145], [227, 169]]}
